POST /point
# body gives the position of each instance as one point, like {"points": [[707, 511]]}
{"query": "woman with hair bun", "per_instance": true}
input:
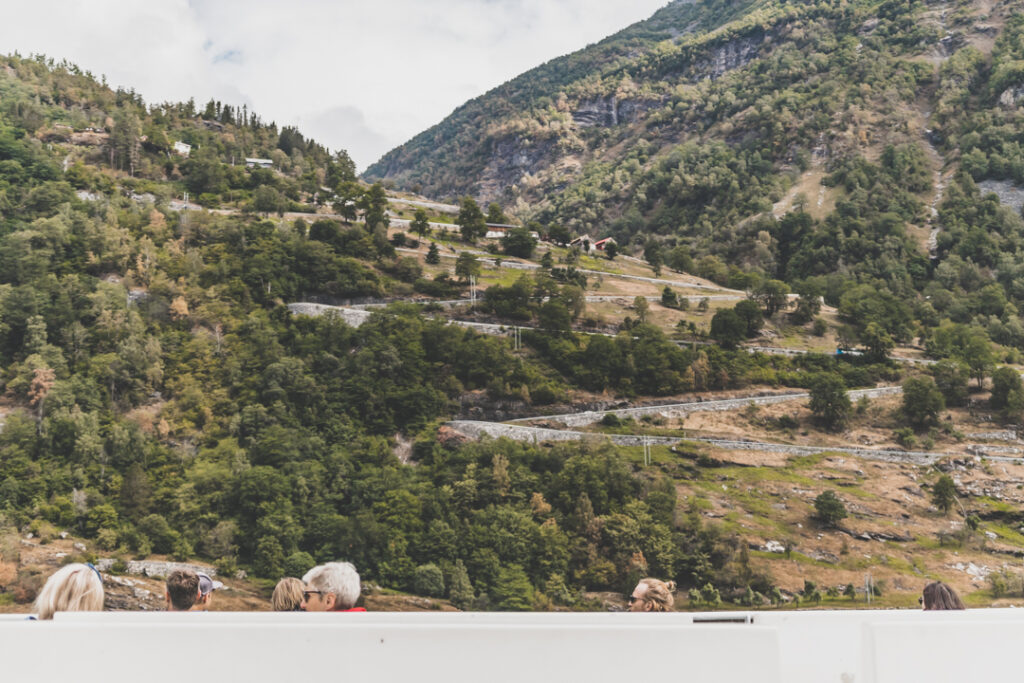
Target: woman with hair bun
{"points": [[72, 588], [652, 595]]}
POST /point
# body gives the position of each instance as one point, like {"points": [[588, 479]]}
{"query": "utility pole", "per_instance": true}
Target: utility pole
{"points": [[472, 291]]}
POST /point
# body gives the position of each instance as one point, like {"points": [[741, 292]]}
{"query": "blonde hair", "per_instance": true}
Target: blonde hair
{"points": [[287, 594], [659, 594], [72, 588]]}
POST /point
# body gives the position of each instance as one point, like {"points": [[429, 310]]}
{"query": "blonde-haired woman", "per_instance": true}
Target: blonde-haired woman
{"points": [[287, 595], [652, 595], [72, 588]]}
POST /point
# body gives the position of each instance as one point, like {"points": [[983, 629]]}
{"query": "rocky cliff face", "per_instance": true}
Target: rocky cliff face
{"points": [[513, 158], [732, 55], [608, 111]]}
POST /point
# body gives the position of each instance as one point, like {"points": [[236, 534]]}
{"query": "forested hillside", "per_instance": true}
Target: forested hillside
{"points": [[824, 167], [158, 397], [846, 148]]}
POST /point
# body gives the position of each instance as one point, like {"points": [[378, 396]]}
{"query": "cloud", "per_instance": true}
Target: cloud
{"points": [[363, 75], [344, 127], [232, 56]]}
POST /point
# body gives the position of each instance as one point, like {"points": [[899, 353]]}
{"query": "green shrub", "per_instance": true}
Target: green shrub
{"points": [[829, 508], [428, 580], [298, 563]]}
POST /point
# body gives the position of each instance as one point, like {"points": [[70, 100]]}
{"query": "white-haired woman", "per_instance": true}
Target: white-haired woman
{"points": [[72, 588]]}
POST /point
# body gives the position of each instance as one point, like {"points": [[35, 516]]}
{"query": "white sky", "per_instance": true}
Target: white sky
{"points": [[362, 75]]}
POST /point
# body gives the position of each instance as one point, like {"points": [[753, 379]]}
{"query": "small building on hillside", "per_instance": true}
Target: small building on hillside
{"points": [[588, 245], [258, 163], [584, 243], [495, 231], [182, 148]]}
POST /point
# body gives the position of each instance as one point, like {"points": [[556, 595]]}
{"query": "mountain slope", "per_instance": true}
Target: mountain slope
{"points": [[706, 114]]}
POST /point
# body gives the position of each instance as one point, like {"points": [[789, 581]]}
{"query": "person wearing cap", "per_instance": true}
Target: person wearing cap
{"points": [[331, 587], [206, 587]]}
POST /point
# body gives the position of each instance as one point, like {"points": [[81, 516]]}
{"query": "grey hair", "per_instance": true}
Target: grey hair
{"points": [[340, 578]]}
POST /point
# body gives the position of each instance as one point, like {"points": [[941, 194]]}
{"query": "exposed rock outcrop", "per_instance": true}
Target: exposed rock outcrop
{"points": [[728, 56], [1012, 96], [608, 111], [1009, 194]]}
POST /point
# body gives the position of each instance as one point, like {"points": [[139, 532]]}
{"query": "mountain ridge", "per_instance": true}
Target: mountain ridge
{"points": [[775, 78]]}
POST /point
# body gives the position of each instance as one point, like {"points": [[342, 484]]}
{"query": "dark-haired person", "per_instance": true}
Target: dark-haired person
{"points": [[652, 595], [331, 587], [182, 590], [938, 595]]}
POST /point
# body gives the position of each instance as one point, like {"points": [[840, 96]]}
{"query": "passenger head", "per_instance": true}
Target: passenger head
{"points": [[72, 588], [287, 595], [330, 587], [182, 590], [938, 595], [206, 588], [652, 595]]}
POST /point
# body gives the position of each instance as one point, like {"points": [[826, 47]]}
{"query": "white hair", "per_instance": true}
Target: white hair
{"points": [[72, 588], [340, 578]]}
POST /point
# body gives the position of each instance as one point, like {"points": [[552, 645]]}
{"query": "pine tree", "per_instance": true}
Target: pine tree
{"points": [[944, 493], [460, 589], [433, 255]]}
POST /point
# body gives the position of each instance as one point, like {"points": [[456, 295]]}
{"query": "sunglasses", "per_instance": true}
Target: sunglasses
{"points": [[306, 594], [633, 598]]}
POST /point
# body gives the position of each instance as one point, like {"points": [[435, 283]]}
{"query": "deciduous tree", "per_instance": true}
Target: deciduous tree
{"points": [[470, 220], [829, 403]]}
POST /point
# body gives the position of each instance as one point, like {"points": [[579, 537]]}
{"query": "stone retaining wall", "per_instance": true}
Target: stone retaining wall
{"points": [[539, 434], [683, 409], [997, 435], [353, 317], [357, 316], [155, 569]]}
